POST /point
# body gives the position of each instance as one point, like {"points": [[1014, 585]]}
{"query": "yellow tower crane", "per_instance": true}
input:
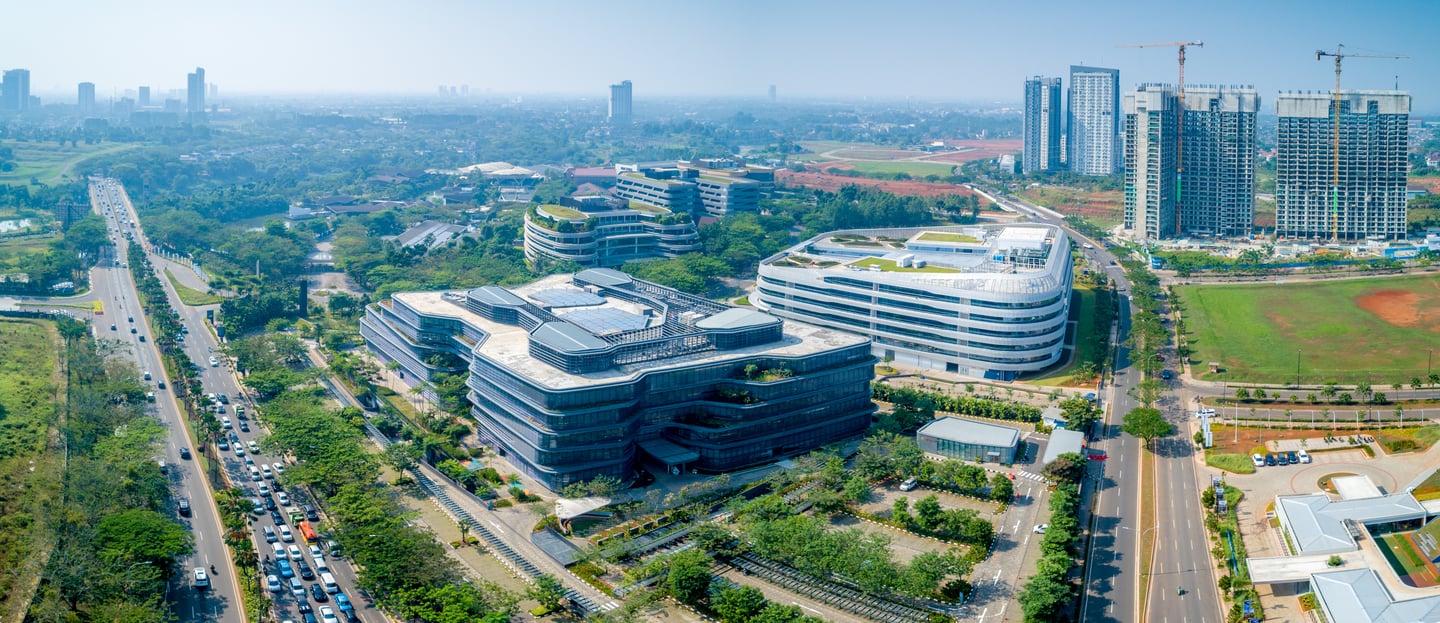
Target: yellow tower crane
{"points": [[1340, 54], [1179, 116]]}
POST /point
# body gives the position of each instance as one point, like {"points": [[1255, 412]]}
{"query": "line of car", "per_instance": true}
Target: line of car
{"points": [[1293, 457]]}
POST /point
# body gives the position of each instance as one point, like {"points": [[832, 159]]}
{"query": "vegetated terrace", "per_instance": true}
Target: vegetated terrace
{"points": [[890, 266]]}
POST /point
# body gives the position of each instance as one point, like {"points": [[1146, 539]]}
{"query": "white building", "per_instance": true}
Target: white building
{"points": [[985, 301]]}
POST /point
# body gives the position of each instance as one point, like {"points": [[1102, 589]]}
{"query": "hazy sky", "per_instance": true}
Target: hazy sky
{"points": [[942, 49]]}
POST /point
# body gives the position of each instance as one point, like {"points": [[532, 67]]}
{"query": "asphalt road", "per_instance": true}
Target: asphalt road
{"points": [[201, 344], [1111, 573], [111, 283]]}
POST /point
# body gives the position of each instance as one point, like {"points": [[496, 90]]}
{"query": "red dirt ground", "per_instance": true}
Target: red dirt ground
{"points": [[1402, 308], [833, 183], [981, 150]]}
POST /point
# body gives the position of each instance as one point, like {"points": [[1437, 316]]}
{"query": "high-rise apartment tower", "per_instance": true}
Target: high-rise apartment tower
{"points": [[15, 91], [1042, 124], [1093, 144], [1217, 193], [1150, 160], [620, 95], [1369, 201], [86, 98], [195, 92]]}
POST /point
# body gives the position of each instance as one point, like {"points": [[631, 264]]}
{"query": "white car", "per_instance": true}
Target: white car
{"points": [[265, 471], [327, 615], [214, 363], [240, 451], [294, 552], [254, 447], [202, 581], [264, 489], [286, 535], [279, 469], [1040, 529], [315, 552], [272, 583], [283, 498], [1258, 460]]}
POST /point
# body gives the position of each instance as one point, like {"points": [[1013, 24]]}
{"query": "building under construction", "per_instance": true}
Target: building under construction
{"points": [[1216, 194], [1368, 199]]}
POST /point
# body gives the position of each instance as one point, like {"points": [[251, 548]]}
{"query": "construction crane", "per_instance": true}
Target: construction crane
{"points": [[1339, 55], [1179, 116]]}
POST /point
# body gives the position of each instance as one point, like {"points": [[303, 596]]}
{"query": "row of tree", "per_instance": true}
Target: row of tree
{"points": [[403, 567], [117, 543], [924, 404], [1046, 595]]}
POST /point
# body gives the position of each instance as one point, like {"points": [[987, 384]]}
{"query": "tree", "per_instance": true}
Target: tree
{"points": [[402, 456], [739, 605], [1001, 488], [143, 536], [1242, 394], [900, 511], [857, 489], [1068, 467], [928, 512], [1146, 423], [1043, 597], [1079, 413], [548, 591], [690, 576]]}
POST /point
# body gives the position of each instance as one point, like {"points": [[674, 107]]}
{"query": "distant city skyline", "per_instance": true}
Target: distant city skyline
{"points": [[847, 49]]}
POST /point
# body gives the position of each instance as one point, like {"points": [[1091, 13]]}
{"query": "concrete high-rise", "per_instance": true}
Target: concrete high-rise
{"points": [[1217, 191], [15, 91], [1369, 201], [1150, 142], [1094, 121], [195, 92], [144, 96], [1042, 124], [86, 98], [620, 95]]}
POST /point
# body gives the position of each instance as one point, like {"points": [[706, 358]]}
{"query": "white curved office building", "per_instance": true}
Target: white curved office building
{"points": [[988, 301]]}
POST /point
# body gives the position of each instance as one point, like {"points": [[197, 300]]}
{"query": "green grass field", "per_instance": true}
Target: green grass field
{"points": [[47, 162], [191, 296], [1346, 331], [1233, 463], [32, 468], [1082, 310]]}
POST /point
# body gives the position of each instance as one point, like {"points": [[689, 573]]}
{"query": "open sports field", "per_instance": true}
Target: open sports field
{"points": [[1379, 329]]}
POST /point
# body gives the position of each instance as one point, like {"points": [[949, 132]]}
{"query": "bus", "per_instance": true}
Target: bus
{"points": [[308, 532], [98, 308]]}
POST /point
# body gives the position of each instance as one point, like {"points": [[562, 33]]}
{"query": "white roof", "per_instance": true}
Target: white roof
{"points": [[1358, 596], [1032, 238], [1355, 487], [1318, 525]]}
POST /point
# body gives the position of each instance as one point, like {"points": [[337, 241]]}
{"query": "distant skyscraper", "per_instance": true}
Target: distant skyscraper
{"points": [[772, 92], [464, 90], [214, 91], [620, 101], [144, 96], [1370, 199], [195, 93], [86, 99], [15, 91], [1217, 192], [1042, 124], [1094, 123], [1150, 113]]}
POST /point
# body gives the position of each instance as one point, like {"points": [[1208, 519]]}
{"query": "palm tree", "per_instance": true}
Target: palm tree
{"points": [[1329, 391], [1434, 378], [1363, 388]]}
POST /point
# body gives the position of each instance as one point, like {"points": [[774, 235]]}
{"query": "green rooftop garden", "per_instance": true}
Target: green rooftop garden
{"points": [[945, 236], [641, 176], [640, 206], [891, 266], [558, 211], [718, 179]]}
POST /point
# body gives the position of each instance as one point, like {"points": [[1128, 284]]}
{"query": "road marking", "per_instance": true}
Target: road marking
{"points": [[983, 613], [1016, 529], [997, 577]]}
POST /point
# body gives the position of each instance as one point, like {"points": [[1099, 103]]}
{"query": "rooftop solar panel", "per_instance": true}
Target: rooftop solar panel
{"points": [[605, 320], [565, 297]]}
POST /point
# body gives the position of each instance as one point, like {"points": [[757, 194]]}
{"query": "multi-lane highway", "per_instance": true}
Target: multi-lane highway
{"points": [[280, 506], [123, 320]]}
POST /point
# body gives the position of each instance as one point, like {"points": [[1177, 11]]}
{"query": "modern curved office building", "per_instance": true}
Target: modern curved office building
{"points": [[989, 301], [576, 376], [599, 231]]}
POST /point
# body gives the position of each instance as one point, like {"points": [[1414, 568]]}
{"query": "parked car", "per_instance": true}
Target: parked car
{"points": [[1304, 456], [909, 484], [1270, 460], [1292, 458], [1258, 460]]}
